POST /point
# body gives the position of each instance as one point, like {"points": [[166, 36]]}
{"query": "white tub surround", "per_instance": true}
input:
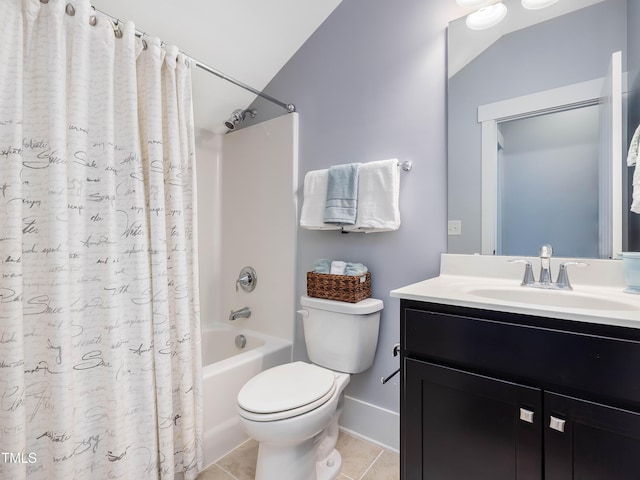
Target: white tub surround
{"points": [[258, 223], [249, 189], [226, 368], [493, 283]]}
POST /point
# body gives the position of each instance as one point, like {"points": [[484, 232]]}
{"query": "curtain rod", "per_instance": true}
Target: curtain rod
{"points": [[289, 107]]}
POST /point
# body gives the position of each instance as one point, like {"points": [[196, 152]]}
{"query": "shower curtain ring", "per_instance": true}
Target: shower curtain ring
{"points": [[70, 10], [116, 31]]}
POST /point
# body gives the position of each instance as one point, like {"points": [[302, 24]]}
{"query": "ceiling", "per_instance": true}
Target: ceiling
{"points": [[248, 40]]}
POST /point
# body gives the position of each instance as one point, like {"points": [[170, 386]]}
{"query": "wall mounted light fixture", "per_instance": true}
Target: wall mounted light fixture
{"points": [[491, 12], [487, 16]]}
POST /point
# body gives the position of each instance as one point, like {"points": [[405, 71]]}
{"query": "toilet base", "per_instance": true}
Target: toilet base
{"points": [[286, 462], [312, 459], [299, 448], [294, 463], [330, 467]]}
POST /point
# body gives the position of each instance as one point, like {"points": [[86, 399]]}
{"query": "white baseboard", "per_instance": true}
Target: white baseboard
{"points": [[372, 423]]}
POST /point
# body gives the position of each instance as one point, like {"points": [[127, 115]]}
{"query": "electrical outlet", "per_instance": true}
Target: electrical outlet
{"points": [[454, 227]]}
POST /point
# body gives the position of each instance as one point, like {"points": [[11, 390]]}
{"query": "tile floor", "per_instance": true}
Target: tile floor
{"points": [[361, 460]]}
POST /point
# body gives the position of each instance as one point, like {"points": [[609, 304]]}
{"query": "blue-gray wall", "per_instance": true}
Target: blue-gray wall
{"points": [[370, 84], [548, 173]]}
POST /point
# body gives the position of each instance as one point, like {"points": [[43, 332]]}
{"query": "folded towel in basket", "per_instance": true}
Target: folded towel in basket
{"points": [[322, 266], [355, 269], [337, 267]]}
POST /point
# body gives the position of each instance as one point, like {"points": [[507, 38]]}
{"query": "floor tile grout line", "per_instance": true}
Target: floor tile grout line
{"points": [[374, 461], [226, 471]]}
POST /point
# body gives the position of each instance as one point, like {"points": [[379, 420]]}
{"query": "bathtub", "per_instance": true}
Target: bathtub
{"points": [[225, 369]]}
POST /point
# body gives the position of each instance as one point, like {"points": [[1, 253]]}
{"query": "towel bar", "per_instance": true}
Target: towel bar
{"points": [[406, 165]]}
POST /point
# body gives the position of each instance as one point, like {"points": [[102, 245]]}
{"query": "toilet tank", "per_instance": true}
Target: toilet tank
{"points": [[341, 336]]}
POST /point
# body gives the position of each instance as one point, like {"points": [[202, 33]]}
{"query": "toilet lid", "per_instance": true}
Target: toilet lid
{"points": [[287, 387]]}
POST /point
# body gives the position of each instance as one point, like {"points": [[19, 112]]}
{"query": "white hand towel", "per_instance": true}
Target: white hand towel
{"points": [[634, 147], [632, 159], [314, 201], [635, 201], [337, 267], [378, 197]]}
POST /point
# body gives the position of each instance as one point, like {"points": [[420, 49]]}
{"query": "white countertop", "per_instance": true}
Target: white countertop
{"points": [[462, 277]]}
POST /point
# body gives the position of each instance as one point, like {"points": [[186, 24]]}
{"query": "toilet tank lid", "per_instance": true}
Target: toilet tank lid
{"points": [[363, 307]]}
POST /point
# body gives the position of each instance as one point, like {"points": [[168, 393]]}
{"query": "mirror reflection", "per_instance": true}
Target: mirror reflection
{"points": [[525, 78], [541, 159]]}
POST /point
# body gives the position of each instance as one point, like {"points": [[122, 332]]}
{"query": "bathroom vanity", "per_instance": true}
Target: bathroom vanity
{"points": [[502, 384]]}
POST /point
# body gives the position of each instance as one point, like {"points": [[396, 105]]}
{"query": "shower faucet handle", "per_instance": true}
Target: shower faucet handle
{"points": [[247, 279]]}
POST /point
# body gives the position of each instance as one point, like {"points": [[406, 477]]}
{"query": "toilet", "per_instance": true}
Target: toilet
{"points": [[292, 410]]}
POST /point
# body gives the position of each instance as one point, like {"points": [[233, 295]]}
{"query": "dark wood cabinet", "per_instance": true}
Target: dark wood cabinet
{"points": [[470, 426], [498, 396], [594, 442]]}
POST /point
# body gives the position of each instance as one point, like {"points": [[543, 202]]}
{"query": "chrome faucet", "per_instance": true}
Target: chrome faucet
{"points": [[545, 265], [242, 313], [545, 279]]}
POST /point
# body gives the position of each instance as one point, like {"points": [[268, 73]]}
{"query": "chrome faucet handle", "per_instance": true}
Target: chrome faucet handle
{"points": [[244, 280], [563, 276], [247, 279], [528, 271]]}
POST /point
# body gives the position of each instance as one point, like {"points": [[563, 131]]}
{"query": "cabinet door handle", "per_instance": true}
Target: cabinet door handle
{"points": [[556, 424], [526, 415]]}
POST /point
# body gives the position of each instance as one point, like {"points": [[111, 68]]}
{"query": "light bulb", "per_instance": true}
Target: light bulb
{"points": [[487, 17]]}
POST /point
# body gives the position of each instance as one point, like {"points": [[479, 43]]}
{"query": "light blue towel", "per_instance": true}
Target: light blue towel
{"points": [[355, 269], [342, 194], [322, 265]]}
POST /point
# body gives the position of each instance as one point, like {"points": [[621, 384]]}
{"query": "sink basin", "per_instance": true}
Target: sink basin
{"points": [[552, 298]]}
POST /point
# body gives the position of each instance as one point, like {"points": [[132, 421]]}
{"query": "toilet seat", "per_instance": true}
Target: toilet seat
{"points": [[286, 391]]}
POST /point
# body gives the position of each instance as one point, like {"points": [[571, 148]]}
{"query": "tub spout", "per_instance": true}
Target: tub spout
{"points": [[242, 313]]}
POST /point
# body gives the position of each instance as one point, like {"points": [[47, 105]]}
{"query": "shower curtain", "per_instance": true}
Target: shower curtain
{"points": [[100, 367]]}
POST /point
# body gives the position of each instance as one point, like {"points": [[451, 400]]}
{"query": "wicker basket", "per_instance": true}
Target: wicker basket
{"points": [[344, 288]]}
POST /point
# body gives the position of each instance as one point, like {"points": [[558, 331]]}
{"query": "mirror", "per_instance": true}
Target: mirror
{"points": [[534, 63]]}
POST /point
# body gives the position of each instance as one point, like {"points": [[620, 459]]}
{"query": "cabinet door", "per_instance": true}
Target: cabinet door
{"points": [[459, 426], [589, 441]]}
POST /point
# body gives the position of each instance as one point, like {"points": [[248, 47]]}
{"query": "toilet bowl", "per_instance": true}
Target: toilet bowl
{"points": [[291, 442], [293, 410]]}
